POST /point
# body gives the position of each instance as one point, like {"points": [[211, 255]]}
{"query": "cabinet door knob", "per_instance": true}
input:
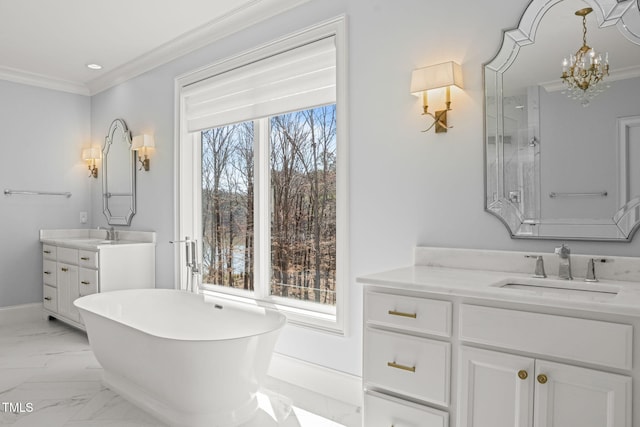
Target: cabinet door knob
{"points": [[522, 374], [84, 282], [47, 298], [47, 272], [64, 269], [47, 252], [84, 258], [542, 379]]}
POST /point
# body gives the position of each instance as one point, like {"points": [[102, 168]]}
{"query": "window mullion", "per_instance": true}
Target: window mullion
{"points": [[262, 212]]}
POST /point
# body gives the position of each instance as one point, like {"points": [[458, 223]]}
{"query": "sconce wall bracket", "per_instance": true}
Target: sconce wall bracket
{"points": [[439, 121]]}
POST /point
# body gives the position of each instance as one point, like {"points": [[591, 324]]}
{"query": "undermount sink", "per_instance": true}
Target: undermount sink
{"points": [[566, 289]]}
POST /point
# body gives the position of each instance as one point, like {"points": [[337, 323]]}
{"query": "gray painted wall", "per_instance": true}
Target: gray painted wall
{"points": [[43, 132], [407, 188]]}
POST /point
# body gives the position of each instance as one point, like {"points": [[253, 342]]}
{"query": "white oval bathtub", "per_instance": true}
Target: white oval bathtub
{"points": [[187, 361]]}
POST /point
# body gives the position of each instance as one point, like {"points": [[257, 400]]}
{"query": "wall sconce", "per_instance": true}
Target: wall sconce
{"points": [[143, 144], [424, 79], [91, 155]]}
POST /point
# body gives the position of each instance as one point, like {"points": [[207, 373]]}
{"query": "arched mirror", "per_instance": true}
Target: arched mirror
{"points": [[563, 164], [119, 175]]}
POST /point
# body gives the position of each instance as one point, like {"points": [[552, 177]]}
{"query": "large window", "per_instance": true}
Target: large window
{"points": [[262, 175], [302, 205]]}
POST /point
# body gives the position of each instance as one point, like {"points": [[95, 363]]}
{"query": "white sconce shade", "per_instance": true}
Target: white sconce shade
{"points": [[143, 141], [143, 144], [91, 153], [436, 76]]}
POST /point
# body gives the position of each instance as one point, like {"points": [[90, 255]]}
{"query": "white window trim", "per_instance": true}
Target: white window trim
{"points": [[187, 153]]}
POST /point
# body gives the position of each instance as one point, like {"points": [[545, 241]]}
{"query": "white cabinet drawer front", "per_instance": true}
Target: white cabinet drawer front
{"points": [[88, 259], [88, 281], [386, 411], [591, 341], [49, 252], [414, 314], [67, 255], [416, 367], [49, 272], [50, 301]]}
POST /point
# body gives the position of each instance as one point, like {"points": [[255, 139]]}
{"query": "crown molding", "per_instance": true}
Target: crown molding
{"points": [[236, 20], [244, 16], [39, 80]]}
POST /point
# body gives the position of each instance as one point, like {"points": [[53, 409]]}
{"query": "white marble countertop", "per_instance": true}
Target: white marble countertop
{"points": [[612, 296], [93, 239]]}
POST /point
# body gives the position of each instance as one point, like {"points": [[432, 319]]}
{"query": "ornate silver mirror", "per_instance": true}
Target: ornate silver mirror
{"points": [[563, 164], [119, 175]]}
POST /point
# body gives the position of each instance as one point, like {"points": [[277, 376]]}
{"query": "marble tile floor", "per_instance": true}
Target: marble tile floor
{"points": [[50, 378]]}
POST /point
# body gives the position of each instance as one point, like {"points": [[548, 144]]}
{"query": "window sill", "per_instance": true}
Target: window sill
{"points": [[299, 316]]}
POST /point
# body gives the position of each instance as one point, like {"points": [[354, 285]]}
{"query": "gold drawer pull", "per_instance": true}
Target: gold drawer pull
{"points": [[542, 379], [47, 272], [64, 269], [403, 367], [523, 375], [402, 314], [47, 252], [47, 298], [85, 282], [85, 258]]}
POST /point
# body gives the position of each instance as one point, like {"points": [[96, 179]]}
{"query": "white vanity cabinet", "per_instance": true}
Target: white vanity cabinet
{"points": [[438, 359], [73, 266], [502, 389], [505, 390]]}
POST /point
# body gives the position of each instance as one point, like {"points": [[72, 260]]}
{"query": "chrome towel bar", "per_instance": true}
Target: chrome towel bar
{"points": [[36, 193]]}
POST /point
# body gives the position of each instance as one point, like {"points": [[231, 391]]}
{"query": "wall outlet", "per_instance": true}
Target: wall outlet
{"points": [[83, 217]]}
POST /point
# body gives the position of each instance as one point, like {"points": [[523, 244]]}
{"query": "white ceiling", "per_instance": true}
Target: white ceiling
{"points": [[49, 43]]}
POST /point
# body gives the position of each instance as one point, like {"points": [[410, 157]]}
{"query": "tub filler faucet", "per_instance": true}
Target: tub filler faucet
{"points": [[564, 269], [193, 267]]}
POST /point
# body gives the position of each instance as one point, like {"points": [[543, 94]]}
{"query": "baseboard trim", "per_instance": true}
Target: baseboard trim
{"points": [[322, 380], [20, 313]]}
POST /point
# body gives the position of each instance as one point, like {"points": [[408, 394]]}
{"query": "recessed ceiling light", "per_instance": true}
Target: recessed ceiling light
{"points": [[94, 66]]}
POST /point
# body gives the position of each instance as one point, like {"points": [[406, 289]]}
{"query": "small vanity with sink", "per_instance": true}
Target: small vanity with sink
{"points": [[87, 261], [469, 338]]}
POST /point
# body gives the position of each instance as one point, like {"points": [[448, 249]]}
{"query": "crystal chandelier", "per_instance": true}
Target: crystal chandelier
{"points": [[583, 72]]}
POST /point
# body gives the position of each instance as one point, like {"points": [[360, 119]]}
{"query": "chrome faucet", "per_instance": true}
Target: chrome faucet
{"points": [[539, 271], [564, 269], [591, 269]]}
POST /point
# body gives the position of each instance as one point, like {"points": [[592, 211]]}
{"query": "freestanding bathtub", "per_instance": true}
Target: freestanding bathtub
{"points": [[186, 361]]}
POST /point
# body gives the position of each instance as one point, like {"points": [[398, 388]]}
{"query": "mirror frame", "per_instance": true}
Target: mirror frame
{"points": [[608, 12], [118, 125]]}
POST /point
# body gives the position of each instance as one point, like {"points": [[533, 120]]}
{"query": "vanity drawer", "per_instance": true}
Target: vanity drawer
{"points": [[50, 298], [88, 281], [385, 411], [413, 366], [409, 313], [88, 259], [68, 256], [49, 272], [49, 252], [590, 341]]}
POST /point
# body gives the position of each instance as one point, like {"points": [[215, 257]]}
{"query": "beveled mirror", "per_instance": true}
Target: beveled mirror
{"points": [[558, 167], [119, 175]]}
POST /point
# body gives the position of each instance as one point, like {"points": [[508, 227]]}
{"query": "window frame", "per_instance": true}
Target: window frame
{"points": [[188, 182]]}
